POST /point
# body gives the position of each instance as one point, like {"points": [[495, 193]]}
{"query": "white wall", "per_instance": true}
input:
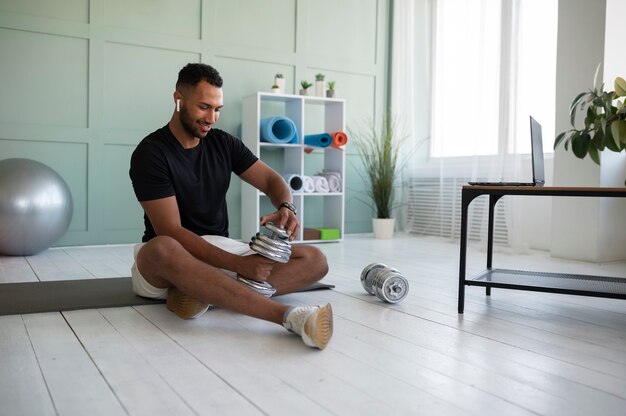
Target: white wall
{"points": [[591, 229], [612, 243]]}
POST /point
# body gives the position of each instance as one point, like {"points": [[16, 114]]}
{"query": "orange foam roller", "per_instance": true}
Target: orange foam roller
{"points": [[339, 139]]}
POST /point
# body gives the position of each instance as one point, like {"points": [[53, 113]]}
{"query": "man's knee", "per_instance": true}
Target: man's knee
{"points": [[157, 251], [317, 261]]}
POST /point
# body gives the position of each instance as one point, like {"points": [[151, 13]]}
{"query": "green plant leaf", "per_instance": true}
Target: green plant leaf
{"points": [[618, 130], [580, 145], [593, 153], [598, 139], [596, 83], [610, 142], [591, 116], [560, 138], [615, 134], [574, 106], [620, 87]]}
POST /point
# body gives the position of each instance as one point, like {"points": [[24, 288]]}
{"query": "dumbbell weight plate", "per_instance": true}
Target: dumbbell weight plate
{"points": [[279, 245], [279, 232], [270, 254], [391, 286], [368, 274], [270, 247], [264, 288]]}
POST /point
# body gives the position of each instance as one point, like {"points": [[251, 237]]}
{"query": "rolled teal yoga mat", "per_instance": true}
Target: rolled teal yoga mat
{"points": [[279, 129], [318, 140]]}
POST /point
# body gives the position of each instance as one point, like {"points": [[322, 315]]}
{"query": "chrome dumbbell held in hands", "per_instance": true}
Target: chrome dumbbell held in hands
{"points": [[385, 282], [271, 242]]}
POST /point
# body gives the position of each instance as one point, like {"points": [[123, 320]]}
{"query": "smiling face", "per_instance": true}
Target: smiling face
{"points": [[200, 108]]}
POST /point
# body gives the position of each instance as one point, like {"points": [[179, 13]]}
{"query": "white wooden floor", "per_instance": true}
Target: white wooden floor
{"points": [[514, 353]]}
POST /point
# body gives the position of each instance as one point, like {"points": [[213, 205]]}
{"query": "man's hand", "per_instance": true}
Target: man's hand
{"points": [[285, 219], [255, 267]]}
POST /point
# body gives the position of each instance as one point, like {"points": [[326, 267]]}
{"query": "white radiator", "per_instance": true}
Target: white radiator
{"points": [[434, 208]]}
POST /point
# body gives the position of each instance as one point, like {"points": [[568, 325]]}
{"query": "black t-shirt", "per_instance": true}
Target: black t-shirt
{"points": [[199, 177]]}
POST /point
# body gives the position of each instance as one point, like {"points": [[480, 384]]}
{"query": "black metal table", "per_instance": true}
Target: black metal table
{"points": [[574, 284]]}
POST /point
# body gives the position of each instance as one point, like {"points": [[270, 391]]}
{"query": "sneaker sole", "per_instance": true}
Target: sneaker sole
{"points": [[319, 327], [184, 306]]}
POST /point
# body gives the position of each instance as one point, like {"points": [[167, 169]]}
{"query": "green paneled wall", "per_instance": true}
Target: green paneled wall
{"points": [[84, 81]]}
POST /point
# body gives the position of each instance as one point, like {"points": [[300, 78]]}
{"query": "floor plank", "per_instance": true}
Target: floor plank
{"points": [[23, 390], [16, 270], [56, 264], [73, 380], [103, 262], [139, 388], [199, 387]]}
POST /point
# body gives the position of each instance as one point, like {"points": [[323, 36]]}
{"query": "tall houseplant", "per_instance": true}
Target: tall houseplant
{"points": [[604, 125], [379, 148]]}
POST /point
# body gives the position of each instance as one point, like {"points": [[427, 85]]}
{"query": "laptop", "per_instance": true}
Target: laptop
{"points": [[536, 144]]}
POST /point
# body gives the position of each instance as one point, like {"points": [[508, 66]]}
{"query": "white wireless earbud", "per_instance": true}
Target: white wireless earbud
{"points": [[178, 105]]}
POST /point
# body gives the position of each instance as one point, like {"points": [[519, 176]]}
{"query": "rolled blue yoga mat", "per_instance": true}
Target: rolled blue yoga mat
{"points": [[318, 140], [278, 129]]}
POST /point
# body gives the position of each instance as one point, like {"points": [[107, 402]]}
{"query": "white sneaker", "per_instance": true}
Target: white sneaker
{"points": [[313, 323]]}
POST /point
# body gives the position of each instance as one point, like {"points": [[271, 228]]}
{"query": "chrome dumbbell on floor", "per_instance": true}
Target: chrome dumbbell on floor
{"points": [[385, 282], [271, 242]]}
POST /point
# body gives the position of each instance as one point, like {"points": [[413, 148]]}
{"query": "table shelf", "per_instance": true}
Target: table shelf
{"points": [[572, 284]]}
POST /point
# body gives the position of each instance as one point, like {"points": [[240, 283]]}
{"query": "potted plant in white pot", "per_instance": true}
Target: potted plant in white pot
{"points": [[279, 80], [379, 148], [319, 85], [604, 125]]}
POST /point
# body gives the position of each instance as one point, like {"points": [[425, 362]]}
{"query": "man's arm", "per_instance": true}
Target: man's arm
{"points": [[267, 180], [165, 218]]}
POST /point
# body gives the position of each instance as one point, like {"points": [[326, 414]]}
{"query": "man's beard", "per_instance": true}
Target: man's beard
{"points": [[188, 124]]}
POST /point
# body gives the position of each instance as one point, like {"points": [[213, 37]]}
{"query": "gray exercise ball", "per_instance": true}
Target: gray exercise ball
{"points": [[35, 207]]}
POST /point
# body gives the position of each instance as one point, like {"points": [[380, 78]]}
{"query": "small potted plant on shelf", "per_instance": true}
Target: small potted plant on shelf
{"points": [[319, 85], [330, 92], [305, 87], [379, 150], [604, 125], [276, 89], [280, 81]]}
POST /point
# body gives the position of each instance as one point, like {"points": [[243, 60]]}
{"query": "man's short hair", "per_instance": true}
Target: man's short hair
{"points": [[193, 73]]}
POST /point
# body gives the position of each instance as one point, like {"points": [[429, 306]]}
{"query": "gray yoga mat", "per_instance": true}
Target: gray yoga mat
{"points": [[67, 295]]}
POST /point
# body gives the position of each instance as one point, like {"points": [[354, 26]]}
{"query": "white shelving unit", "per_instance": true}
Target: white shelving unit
{"points": [[311, 115]]}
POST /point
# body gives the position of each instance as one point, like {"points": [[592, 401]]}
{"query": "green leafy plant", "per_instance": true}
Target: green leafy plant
{"points": [[331, 85], [305, 84], [379, 150], [604, 125], [319, 77], [279, 76], [275, 86]]}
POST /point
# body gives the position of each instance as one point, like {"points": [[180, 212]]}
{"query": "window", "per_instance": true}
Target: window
{"points": [[494, 65]]}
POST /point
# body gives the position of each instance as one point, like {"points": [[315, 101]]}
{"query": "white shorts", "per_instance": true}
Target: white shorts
{"points": [[145, 289]]}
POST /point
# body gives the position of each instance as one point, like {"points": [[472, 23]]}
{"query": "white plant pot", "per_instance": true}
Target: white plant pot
{"points": [[319, 88], [383, 227], [280, 82]]}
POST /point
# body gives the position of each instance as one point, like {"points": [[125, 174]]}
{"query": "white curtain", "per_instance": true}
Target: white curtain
{"points": [[466, 75]]}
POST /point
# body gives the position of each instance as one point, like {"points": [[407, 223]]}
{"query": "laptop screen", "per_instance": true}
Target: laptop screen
{"points": [[537, 152]]}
